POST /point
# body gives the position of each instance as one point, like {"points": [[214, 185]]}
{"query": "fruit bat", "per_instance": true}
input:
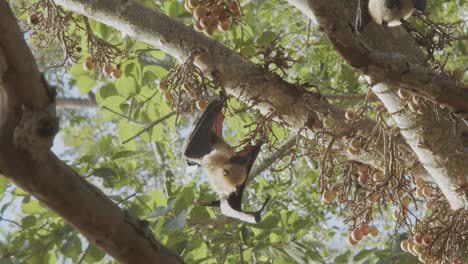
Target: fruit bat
{"points": [[227, 169], [386, 12]]}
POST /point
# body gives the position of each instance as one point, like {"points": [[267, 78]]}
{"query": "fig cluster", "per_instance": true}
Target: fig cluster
{"points": [[107, 69], [417, 245], [411, 99], [211, 15], [188, 88], [360, 232]]}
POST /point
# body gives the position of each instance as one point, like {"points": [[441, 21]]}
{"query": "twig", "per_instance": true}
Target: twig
{"points": [[268, 161], [131, 120], [84, 255], [150, 125]]}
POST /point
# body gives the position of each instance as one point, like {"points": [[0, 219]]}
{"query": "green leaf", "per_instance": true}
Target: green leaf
{"points": [[158, 198], [177, 223], [266, 38], [28, 221], [343, 258], [157, 133], [105, 91], [104, 172], [151, 72], [362, 254], [32, 207], [94, 254], [159, 211], [126, 154], [77, 71], [72, 247], [171, 8], [184, 199], [126, 86], [3, 184], [126, 130], [84, 84]]}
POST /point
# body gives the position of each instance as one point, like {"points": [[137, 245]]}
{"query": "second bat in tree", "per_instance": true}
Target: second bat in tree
{"points": [[386, 12]]}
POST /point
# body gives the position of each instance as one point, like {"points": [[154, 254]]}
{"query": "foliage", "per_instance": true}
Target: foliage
{"points": [[148, 175]]}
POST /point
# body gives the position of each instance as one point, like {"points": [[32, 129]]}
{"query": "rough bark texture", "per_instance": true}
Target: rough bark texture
{"points": [[391, 60], [27, 127], [376, 57], [289, 103], [75, 103]]}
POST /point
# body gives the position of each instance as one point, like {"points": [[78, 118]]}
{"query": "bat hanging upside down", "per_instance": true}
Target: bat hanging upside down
{"points": [[386, 12], [227, 169]]}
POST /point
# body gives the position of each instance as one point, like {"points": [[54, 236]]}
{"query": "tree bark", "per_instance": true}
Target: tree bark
{"points": [[377, 58], [391, 60], [27, 127], [75, 103], [270, 94]]}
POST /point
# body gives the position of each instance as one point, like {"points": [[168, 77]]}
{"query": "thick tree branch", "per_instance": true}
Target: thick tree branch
{"points": [[75, 103], [25, 158], [437, 139], [389, 67], [290, 104]]}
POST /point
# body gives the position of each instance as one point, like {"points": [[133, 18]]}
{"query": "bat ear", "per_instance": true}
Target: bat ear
{"points": [[420, 5]]}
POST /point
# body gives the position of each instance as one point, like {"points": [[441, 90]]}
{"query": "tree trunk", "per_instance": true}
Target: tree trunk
{"points": [[27, 127]]}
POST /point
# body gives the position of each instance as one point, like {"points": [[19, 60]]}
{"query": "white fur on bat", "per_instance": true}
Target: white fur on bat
{"points": [[224, 175], [390, 12]]}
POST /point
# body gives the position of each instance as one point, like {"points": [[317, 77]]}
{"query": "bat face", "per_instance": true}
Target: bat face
{"points": [[225, 175]]}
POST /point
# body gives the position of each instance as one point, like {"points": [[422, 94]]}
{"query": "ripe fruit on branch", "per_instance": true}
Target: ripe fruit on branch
{"points": [[234, 8], [350, 115], [327, 197]]}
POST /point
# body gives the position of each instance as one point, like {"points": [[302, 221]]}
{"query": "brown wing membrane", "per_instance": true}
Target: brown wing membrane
{"points": [[207, 127], [250, 154]]}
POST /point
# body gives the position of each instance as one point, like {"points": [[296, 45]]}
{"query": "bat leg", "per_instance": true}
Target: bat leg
{"points": [[258, 214], [215, 203]]}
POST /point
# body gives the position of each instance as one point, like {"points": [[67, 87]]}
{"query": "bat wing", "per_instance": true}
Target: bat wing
{"points": [[249, 154], [362, 15], [207, 129], [420, 5]]}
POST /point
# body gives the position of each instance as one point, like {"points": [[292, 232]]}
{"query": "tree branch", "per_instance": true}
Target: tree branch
{"points": [[30, 164], [426, 132], [288, 103], [269, 160], [393, 68], [74, 103]]}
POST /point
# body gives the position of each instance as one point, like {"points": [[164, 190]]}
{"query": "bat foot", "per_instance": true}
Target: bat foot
{"points": [[258, 214]]}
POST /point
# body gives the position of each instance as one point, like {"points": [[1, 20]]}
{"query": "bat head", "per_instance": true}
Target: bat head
{"points": [[229, 171], [225, 171]]}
